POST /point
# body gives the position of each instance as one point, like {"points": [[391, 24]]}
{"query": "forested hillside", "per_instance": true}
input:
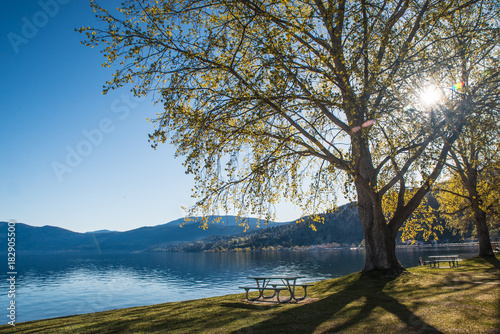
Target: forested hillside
{"points": [[341, 227]]}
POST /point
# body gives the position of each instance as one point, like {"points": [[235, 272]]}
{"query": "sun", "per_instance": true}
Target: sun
{"points": [[430, 95]]}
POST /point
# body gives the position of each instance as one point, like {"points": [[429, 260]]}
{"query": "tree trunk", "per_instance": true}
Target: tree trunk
{"points": [[483, 234], [380, 243]]}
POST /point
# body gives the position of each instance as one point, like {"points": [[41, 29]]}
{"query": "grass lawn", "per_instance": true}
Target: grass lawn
{"points": [[423, 300]]}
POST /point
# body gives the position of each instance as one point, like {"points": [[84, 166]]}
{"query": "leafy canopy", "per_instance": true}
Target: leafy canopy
{"points": [[287, 99]]}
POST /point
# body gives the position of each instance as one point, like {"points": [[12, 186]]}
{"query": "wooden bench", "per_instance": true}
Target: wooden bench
{"points": [[287, 283], [261, 290], [436, 260], [304, 286]]}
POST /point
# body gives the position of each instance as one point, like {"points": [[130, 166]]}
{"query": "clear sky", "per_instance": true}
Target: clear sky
{"points": [[70, 156]]}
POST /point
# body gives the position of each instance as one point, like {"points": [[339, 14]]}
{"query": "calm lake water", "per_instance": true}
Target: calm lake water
{"points": [[58, 285]]}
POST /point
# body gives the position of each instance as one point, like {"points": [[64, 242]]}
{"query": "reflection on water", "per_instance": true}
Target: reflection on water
{"points": [[58, 285]]}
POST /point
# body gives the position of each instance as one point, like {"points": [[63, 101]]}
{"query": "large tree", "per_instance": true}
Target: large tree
{"points": [[290, 99], [470, 197], [469, 194]]}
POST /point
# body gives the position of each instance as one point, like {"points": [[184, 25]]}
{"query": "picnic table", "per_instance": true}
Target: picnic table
{"points": [[276, 284], [452, 260]]}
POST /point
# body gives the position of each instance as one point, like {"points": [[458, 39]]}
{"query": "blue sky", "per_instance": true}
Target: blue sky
{"points": [[72, 157]]}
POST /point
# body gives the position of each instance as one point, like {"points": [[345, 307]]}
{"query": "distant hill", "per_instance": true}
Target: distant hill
{"points": [[339, 228], [101, 231], [56, 239]]}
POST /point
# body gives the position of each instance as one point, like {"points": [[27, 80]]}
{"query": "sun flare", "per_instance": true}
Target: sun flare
{"points": [[430, 95]]}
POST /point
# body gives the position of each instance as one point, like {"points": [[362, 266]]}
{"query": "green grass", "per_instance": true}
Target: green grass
{"points": [[423, 300]]}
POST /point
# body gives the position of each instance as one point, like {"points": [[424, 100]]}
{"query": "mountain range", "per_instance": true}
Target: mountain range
{"points": [[55, 239], [341, 227]]}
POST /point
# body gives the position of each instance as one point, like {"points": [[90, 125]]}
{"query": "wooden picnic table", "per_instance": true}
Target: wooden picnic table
{"points": [[451, 259], [276, 284]]}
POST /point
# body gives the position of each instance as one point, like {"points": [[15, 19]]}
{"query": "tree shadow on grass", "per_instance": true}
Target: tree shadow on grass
{"points": [[247, 306], [493, 261], [363, 296]]}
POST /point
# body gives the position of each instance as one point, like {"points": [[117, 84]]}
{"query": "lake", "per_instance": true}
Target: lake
{"points": [[58, 285]]}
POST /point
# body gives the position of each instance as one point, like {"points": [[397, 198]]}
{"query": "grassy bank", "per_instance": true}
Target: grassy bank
{"points": [[424, 300]]}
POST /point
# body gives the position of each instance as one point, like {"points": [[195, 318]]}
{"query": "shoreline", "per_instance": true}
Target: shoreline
{"points": [[321, 247], [317, 247]]}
